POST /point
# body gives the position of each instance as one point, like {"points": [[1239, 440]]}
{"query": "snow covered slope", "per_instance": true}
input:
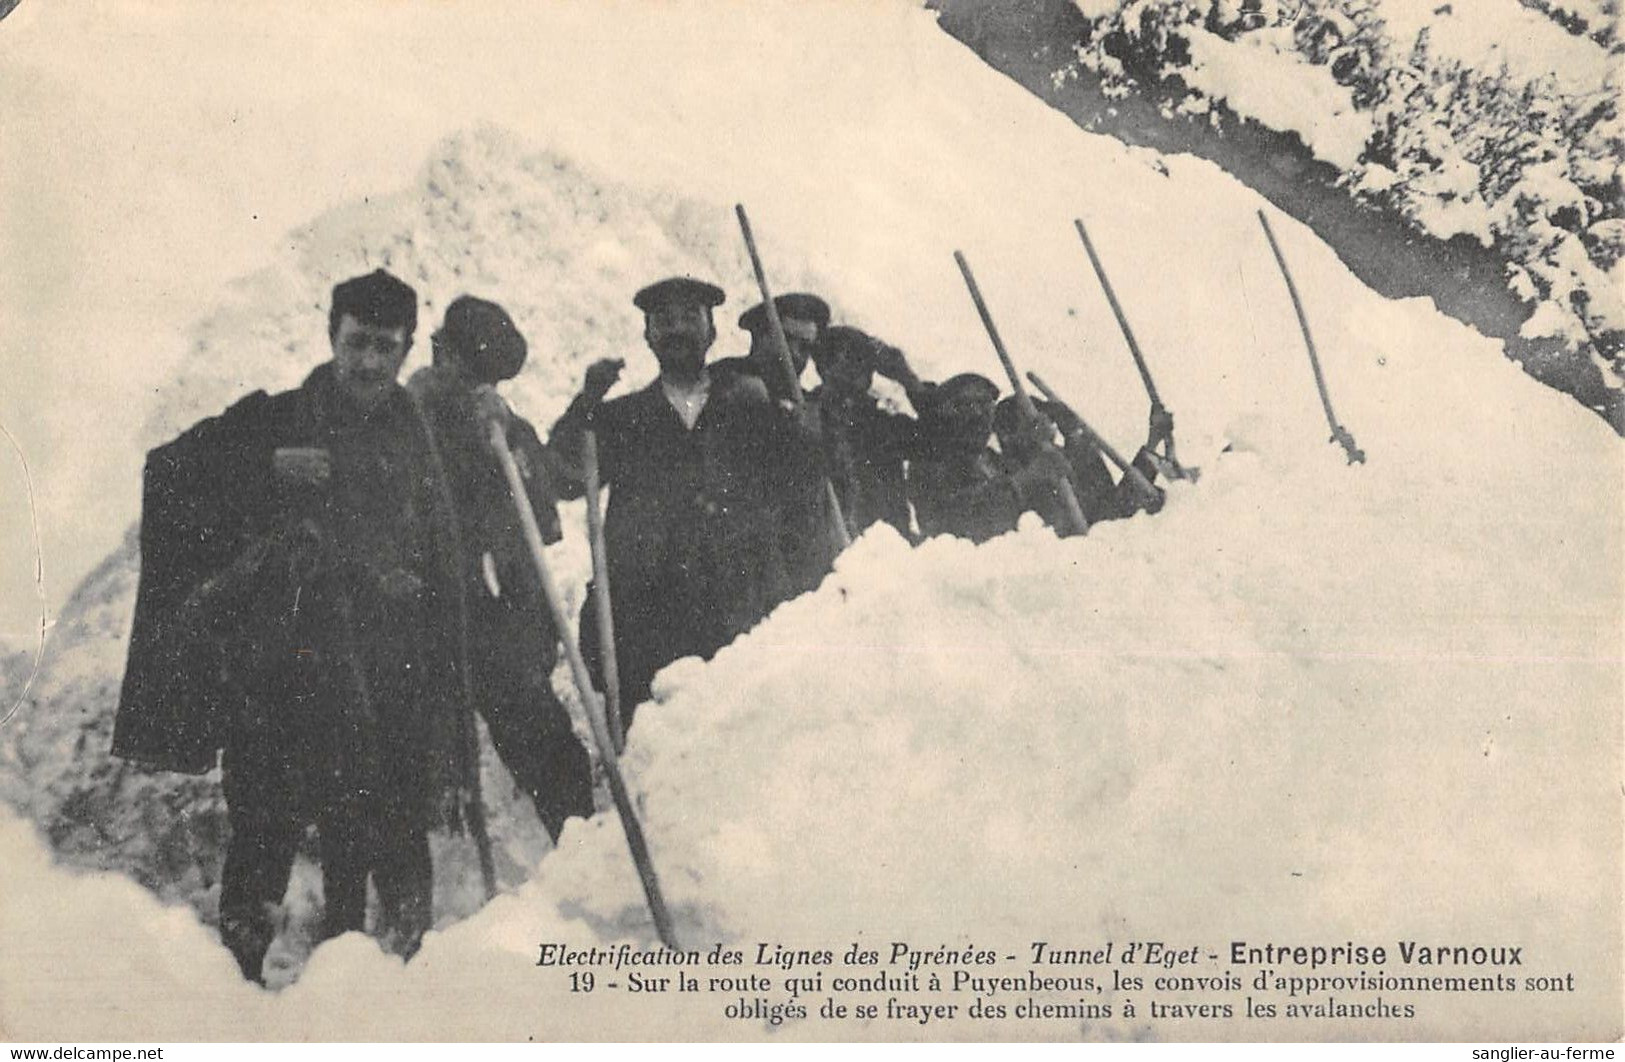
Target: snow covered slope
{"points": [[1305, 703]]}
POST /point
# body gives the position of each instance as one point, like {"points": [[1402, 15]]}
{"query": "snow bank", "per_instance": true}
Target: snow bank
{"points": [[1306, 702], [1238, 719]]}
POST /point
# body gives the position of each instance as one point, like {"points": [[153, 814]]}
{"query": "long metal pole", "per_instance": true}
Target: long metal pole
{"points": [[589, 697], [1069, 497], [1117, 311]]}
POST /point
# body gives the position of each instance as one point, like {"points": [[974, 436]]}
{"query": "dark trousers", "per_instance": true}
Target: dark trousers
{"points": [[512, 651], [653, 628], [647, 638], [259, 863], [281, 772]]}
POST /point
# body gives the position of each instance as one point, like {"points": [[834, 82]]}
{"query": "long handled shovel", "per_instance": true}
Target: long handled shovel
{"points": [[838, 532], [589, 697], [1340, 434], [1069, 497], [1170, 462]]}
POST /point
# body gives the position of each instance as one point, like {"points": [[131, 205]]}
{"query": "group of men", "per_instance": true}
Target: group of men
{"points": [[334, 578]]}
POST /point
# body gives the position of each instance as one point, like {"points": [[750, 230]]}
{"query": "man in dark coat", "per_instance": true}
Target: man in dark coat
{"points": [[323, 610], [693, 463], [806, 524], [865, 446], [511, 641], [959, 486], [1098, 495]]}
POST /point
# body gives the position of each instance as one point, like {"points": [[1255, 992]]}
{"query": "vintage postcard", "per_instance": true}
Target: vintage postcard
{"points": [[811, 521]]}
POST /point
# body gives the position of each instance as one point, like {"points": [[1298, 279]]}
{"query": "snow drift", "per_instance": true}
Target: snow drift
{"points": [[1305, 702]]}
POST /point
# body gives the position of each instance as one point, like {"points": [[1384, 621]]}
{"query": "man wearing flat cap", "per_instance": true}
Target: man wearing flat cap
{"points": [[804, 317], [804, 516], [693, 463], [299, 605], [512, 645], [961, 486]]}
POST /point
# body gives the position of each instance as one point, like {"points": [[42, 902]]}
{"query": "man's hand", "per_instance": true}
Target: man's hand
{"points": [[1044, 473], [1064, 419], [1038, 426], [601, 376], [1161, 428], [748, 390], [806, 421]]}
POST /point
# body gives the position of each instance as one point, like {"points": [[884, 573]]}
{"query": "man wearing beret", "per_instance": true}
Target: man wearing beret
{"points": [[299, 606], [512, 645], [693, 463]]}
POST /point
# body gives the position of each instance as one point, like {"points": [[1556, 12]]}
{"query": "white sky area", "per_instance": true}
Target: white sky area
{"points": [[1305, 702], [164, 151]]}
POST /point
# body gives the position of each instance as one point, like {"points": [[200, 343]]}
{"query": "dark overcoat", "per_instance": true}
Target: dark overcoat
{"points": [[249, 587], [692, 528], [487, 519], [968, 495]]}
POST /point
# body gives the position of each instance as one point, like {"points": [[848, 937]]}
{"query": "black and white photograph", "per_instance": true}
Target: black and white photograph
{"points": [[812, 521]]}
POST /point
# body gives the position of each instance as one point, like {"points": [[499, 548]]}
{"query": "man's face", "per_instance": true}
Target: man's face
{"points": [[847, 372], [802, 336], [367, 358], [1013, 441], [966, 416], [679, 333]]}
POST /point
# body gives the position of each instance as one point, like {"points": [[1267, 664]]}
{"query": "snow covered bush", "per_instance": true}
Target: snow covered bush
{"points": [[1527, 164], [1597, 19]]}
